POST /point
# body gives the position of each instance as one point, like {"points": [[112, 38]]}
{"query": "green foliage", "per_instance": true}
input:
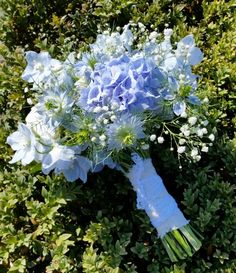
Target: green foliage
{"points": [[28, 22], [50, 225], [12, 98]]}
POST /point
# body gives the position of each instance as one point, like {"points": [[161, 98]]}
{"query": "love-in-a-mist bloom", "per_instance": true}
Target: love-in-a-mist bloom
{"points": [[124, 132]]}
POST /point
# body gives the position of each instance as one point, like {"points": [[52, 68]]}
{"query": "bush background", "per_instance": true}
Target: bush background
{"points": [[50, 225]]}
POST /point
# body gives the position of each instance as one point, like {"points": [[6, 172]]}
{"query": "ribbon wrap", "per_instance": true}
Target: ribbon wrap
{"points": [[153, 197]]}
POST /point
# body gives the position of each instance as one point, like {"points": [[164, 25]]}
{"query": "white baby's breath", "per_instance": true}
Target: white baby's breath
{"points": [[205, 149], [182, 141], [153, 137], [102, 137], [160, 140], [181, 149], [192, 120], [211, 137]]}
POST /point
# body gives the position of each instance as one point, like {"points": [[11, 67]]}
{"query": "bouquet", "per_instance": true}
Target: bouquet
{"points": [[104, 106]]}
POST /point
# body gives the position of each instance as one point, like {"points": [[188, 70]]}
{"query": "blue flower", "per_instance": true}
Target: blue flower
{"points": [[78, 168], [124, 132], [59, 158], [102, 159], [112, 45], [42, 69], [194, 99], [63, 159], [179, 107], [24, 143], [187, 50], [131, 83], [38, 68], [84, 67], [55, 106]]}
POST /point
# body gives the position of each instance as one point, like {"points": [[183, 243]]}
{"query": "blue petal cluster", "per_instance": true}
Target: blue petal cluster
{"points": [[131, 83]]}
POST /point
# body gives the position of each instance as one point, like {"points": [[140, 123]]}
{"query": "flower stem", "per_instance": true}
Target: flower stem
{"points": [[182, 243]]}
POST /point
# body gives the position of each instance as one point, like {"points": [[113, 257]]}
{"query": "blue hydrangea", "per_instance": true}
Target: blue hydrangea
{"points": [[132, 83]]}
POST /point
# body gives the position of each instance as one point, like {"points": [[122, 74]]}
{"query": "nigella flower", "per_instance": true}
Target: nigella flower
{"points": [[24, 143], [124, 132]]}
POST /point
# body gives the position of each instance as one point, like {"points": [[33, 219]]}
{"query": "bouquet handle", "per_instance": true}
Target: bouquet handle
{"points": [[174, 230]]}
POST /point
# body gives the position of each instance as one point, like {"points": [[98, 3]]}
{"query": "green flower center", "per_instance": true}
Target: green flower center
{"points": [[50, 104], [126, 136], [82, 136], [185, 90]]}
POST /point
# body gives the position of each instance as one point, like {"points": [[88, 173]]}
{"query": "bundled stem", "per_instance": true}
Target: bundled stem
{"points": [[181, 243]]}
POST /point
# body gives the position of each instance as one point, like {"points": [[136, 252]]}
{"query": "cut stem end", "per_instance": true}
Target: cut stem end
{"points": [[182, 243]]}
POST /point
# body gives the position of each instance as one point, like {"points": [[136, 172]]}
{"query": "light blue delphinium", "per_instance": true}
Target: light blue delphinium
{"points": [[176, 66], [162, 53], [42, 70], [83, 69], [38, 67], [63, 159], [62, 74], [179, 107], [54, 106], [78, 169], [112, 45], [172, 91], [124, 132], [188, 52], [59, 158], [102, 159], [45, 132], [23, 141]]}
